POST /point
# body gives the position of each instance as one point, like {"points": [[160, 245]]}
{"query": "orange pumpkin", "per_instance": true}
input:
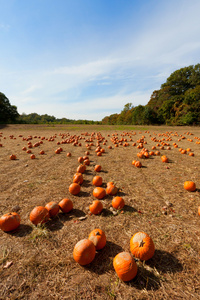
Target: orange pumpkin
{"points": [[118, 202], [96, 207], [74, 188], [84, 252], [97, 180], [142, 246], [53, 208], [66, 205], [199, 210], [98, 237], [78, 178], [97, 168], [111, 190], [81, 169], [39, 215], [125, 266], [189, 186], [10, 221], [164, 159], [99, 193], [13, 157], [138, 164]]}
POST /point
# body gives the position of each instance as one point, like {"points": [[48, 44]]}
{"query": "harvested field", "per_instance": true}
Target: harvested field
{"points": [[37, 261]]}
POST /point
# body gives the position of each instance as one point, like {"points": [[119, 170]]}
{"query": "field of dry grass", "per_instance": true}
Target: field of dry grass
{"points": [[37, 262]]}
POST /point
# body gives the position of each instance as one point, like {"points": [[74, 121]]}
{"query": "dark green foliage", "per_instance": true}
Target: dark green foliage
{"points": [[8, 112], [176, 103]]}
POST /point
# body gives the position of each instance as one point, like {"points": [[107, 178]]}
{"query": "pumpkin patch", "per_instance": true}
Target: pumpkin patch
{"points": [[68, 253]]}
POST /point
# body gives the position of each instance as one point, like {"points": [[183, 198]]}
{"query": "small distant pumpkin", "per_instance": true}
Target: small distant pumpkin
{"points": [[66, 205], [13, 157], [98, 237], [118, 202], [78, 178], [142, 246], [96, 207], [189, 186], [97, 180], [53, 208], [39, 215], [84, 252], [74, 188], [111, 189], [9, 221], [125, 266], [99, 192], [97, 168], [164, 159]]}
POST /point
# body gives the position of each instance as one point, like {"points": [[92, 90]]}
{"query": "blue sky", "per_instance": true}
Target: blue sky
{"points": [[85, 59]]}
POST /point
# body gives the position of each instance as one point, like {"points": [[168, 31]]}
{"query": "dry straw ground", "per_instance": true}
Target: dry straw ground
{"points": [[37, 262]]}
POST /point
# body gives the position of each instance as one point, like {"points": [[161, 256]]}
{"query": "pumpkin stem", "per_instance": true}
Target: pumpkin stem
{"points": [[141, 243], [97, 233]]}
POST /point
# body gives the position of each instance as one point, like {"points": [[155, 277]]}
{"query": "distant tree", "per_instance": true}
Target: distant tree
{"points": [[8, 112]]}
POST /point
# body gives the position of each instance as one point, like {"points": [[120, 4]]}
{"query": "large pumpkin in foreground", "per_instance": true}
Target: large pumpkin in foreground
{"points": [[142, 246], [125, 266], [84, 252], [9, 221]]}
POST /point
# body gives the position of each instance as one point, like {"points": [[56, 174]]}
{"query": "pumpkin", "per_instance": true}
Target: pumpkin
{"points": [[96, 207], [138, 164], [39, 215], [97, 180], [74, 188], [80, 159], [53, 208], [32, 156], [66, 205], [97, 168], [98, 237], [81, 169], [69, 154], [42, 152], [142, 246], [189, 186], [78, 178], [84, 252], [13, 157], [118, 202], [10, 221], [199, 210], [125, 266], [99, 193], [111, 190], [164, 159]]}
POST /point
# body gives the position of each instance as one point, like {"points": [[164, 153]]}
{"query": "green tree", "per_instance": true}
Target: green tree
{"points": [[8, 112]]}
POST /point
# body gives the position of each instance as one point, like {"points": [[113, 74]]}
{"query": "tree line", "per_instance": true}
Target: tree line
{"points": [[177, 102]]}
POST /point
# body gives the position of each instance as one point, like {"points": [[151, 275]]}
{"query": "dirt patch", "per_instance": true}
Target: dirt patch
{"points": [[38, 262]]}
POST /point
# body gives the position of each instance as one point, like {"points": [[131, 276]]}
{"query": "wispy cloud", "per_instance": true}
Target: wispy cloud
{"points": [[108, 69]]}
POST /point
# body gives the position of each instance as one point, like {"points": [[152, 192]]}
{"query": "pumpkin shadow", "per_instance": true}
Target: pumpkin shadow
{"points": [[86, 183], [106, 213], [165, 262], [21, 231], [145, 279], [54, 224], [106, 256], [128, 208], [83, 194], [77, 213]]}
